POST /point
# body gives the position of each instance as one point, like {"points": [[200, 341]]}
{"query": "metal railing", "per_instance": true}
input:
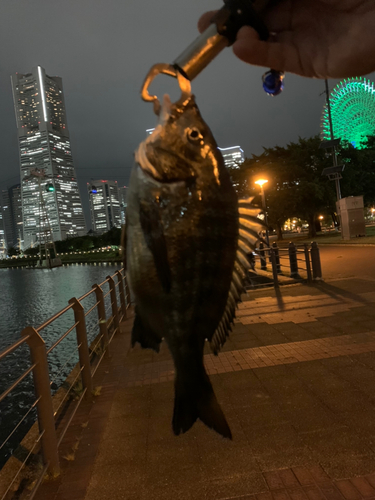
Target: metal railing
{"points": [[274, 265], [110, 300]]}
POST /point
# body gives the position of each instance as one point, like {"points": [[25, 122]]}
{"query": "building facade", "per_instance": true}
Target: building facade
{"points": [[122, 191], [233, 156], [104, 205], [44, 146], [7, 218]]}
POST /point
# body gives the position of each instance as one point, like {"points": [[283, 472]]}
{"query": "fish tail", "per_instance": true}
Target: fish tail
{"points": [[195, 398]]}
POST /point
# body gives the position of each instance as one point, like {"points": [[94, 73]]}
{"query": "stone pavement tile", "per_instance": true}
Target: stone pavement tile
{"points": [[363, 486], [253, 419], [366, 358], [297, 494], [129, 452], [347, 489], [240, 485], [303, 476], [229, 461], [331, 492], [267, 495], [288, 478], [116, 483], [314, 493], [311, 419], [341, 443], [362, 377], [273, 480], [344, 465]]}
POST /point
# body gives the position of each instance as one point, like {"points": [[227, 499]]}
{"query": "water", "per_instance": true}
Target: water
{"points": [[28, 298]]}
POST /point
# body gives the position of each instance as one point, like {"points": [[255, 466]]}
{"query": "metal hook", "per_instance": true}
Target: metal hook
{"points": [[165, 69]]}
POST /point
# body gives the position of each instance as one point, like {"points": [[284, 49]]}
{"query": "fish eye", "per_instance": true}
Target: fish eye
{"points": [[193, 134]]}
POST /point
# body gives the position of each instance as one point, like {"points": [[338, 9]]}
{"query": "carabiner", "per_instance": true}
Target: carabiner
{"points": [[165, 69]]}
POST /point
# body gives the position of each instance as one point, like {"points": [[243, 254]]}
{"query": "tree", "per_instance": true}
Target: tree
{"points": [[296, 187]]}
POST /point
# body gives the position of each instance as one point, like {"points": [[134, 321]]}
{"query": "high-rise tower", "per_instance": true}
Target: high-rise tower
{"points": [[44, 145], [104, 205]]}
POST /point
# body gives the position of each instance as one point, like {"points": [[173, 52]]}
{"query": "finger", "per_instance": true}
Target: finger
{"points": [[205, 20], [281, 56]]}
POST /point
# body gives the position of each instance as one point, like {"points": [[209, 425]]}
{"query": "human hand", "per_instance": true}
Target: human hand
{"points": [[319, 39]]}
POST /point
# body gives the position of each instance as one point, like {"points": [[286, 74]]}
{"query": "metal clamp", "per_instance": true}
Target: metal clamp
{"points": [[165, 69]]}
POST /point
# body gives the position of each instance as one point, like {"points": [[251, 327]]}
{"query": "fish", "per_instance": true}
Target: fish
{"points": [[187, 239]]}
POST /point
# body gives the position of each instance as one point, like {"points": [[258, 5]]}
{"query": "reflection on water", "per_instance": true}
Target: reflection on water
{"points": [[28, 298]]}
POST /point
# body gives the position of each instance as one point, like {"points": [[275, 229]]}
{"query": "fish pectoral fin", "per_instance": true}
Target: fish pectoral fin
{"points": [[152, 227], [143, 334]]}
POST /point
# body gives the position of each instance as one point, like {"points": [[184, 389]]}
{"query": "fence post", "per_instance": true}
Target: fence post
{"points": [[293, 261], [263, 260], [307, 259], [315, 261], [127, 292], [112, 288], [83, 348], [101, 317], [46, 419], [274, 267], [277, 256], [122, 295]]}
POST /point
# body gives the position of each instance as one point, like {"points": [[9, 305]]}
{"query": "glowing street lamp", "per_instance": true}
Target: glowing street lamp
{"points": [[261, 183]]}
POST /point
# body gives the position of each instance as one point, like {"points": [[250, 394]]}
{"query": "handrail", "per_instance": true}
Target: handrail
{"points": [[13, 347], [103, 329], [50, 320]]}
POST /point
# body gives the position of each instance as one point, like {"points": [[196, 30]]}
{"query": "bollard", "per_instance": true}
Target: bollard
{"points": [[307, 259], [274, 268], [315, 261], [42, 386], [83, 348], [293, 261], [102, 318], [122, 294], [277, 256], [112, 288], [263, 260]]}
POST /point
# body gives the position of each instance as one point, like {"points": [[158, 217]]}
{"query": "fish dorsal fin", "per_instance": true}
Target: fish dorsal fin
{"points": [[248, 234]]}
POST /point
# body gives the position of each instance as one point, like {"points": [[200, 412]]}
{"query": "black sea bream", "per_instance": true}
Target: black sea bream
{"points": [[186, 246]]}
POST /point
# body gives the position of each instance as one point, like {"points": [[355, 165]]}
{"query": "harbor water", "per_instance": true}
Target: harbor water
{"points": [[28, 298]]}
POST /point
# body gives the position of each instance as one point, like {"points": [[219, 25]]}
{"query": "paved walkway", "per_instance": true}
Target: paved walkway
{"points": [[296, 382]]}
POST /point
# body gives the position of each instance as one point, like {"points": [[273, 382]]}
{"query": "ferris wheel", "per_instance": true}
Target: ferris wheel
{"points": [[353, 111]]}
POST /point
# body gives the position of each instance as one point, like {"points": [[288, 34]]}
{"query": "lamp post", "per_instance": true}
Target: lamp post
{"points": [[260, 183]]}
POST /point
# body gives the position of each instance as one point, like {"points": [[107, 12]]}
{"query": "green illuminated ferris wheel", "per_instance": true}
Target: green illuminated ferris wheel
{"points": [[353, 111]]}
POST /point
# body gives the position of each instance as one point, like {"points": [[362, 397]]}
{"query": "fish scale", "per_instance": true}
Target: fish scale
{"points": [[184, 261]]}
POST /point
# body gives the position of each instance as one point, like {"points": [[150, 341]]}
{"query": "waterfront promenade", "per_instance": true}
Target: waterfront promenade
{"points": [[296, 382]]}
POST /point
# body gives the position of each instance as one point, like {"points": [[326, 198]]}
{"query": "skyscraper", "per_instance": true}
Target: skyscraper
{"points": [[104, 205], [3, 249], [7, 216], [122, 191], [44, 145], [15, 196], [233, 156]]}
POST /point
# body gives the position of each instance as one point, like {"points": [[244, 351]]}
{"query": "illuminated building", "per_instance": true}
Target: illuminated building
{"points": [[104, 205], [122, 191], [353, 111], [3, 249], [11, 206], [233, 156], [44, 144]]}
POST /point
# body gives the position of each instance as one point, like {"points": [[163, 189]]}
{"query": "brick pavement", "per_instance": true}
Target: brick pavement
{"points": [[298, 395]]}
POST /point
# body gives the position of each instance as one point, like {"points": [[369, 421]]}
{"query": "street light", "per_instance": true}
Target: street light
{"points": [[260, 183]]}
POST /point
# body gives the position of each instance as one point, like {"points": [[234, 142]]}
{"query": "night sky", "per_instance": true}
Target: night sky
{"points": [[103, 49]]}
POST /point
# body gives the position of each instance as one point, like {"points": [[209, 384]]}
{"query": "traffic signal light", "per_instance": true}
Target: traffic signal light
{"points": [[50, 188]]}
